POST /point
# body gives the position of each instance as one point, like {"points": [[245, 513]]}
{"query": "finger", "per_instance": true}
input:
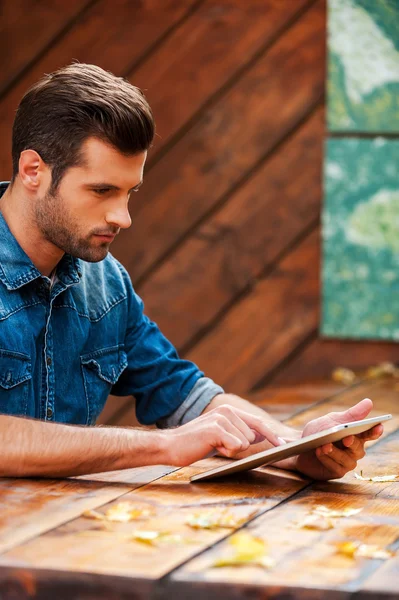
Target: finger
{"points": [[333, 469], [259, 426], [229, 444], [372, 434], [355, 413], [343, 458], [231, 416]]}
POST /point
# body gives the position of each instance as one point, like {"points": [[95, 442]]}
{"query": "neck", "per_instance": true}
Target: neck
{"points": [[18, 213]]}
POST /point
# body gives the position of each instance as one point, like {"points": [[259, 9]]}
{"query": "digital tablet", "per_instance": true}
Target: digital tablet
{"points": [[310, 442]]}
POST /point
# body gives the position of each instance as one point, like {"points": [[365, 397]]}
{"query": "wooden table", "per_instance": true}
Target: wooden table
{"points": [[48, 550]]}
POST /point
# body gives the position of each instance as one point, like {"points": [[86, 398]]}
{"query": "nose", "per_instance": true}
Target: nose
{"points": [[119, 218]]}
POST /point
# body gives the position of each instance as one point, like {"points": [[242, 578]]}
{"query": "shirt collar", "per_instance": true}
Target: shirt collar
{"points": [[17, 269]]}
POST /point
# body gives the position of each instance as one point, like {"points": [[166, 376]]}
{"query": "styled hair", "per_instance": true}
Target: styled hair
{"points": [[64, 108]]}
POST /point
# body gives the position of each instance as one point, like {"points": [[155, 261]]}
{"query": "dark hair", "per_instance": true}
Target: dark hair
{"points": [[64, 108]]}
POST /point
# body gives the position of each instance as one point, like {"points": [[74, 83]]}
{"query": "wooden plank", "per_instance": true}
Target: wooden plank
{"points": [[27, 28], [30, 507], [321, 357], [187, 68], [113, 37], [173, 499], [306, 559], [227, 254], [261, 329], [227, 142]]}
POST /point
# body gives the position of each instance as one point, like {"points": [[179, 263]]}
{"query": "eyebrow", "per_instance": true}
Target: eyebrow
{"points": [[97, 186]]}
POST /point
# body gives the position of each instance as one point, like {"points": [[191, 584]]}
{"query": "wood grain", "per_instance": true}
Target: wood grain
{"points": [[28, 27], [186, 71], [262, 328], [115, 37], [226, 143], [30, 507], [226, 256]]}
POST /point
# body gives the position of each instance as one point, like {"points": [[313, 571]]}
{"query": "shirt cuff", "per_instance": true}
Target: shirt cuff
{"points": [[198, 399]]}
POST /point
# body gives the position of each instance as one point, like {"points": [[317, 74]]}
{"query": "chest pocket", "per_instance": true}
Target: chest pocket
{"points": [[101, 370], [15, 382]]}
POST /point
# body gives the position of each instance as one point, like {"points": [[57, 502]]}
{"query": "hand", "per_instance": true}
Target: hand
{"points": [[330, 461], [226, 429]]}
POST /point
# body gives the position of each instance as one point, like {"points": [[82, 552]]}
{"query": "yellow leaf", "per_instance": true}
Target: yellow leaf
{"points": [[324, 511], [245, 549], [214, 520], [355, 549], [315, 521]]}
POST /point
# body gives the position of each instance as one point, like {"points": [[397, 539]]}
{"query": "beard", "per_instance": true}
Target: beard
{"points": [[60, 228]]}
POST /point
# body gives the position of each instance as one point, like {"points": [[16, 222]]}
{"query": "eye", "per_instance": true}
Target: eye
{"points": [[101, 191]]}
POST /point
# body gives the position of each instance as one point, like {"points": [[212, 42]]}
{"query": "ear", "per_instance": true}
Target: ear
{"points": [[33, 171]]}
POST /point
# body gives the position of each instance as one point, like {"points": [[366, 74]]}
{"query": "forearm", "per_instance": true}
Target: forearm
{"points": [[35, 448], [284, 431]]}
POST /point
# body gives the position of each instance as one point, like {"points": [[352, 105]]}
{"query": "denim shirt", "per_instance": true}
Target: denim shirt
{"points": [[65, 347]]}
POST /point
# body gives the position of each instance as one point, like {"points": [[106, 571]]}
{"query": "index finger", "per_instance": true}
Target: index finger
{"points": [[259, 426]]}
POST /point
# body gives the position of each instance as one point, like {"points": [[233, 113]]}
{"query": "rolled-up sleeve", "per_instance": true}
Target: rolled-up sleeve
{"points": [[198, 399]]}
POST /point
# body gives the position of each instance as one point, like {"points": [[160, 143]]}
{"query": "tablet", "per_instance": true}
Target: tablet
{"points": [[310, 442]]}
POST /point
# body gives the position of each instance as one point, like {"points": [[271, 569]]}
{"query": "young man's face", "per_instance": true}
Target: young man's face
{"points": [[91, 202]]}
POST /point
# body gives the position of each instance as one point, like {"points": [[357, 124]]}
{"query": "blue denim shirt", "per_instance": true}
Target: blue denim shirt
{"points": [[65, 347]]}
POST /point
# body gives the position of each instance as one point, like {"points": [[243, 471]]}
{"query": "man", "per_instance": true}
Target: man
{"points": [[72, 329]]}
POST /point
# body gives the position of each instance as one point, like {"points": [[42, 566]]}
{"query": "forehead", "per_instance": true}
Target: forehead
{"points": [[101, 159]]}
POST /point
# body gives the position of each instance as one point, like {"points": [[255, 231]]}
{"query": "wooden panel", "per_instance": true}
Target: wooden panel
{"points": [[30, 507], [113, 37], [260, 330], [187, 69], [245, 237], [27, 27], [227, 142]]}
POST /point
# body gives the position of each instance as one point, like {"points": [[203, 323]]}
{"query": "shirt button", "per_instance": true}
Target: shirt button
{"points": [[48, 361], [49, 413]]}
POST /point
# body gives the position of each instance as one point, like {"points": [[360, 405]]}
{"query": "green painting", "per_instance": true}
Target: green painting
{"points": [[363, 65], [361, 239]]}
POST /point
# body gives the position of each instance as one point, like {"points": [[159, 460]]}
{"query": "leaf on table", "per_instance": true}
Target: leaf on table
{"points": [[357, 549], [324, 511], [215, 520], [245, 549], [381, 370], [123, 512], [345, 376], [315, 521], [155, 538], [377, 478]]}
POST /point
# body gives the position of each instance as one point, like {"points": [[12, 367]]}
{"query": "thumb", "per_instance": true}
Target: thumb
{"points": [[355, 413]]}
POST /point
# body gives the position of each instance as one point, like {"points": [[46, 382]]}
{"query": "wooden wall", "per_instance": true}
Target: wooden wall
{"points": [[224, 247]]}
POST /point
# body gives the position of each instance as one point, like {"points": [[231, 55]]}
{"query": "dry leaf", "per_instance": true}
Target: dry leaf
{"points": [[315, 521], [324, 511], [345, 376], [247, 550], [122, 513], [355, 549], [377, 478], [154, 538], [381, 370], [216, 520]]}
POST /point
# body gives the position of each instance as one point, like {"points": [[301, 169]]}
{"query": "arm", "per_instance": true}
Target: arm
{"points": [[35, 448]]}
